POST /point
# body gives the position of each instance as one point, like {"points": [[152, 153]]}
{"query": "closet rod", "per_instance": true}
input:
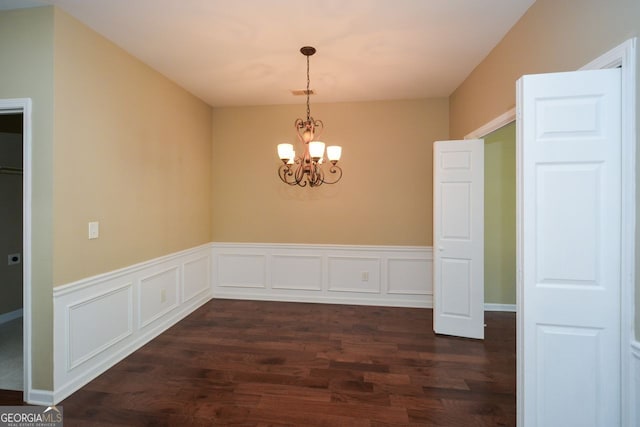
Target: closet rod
{"points": [[6, 170]]}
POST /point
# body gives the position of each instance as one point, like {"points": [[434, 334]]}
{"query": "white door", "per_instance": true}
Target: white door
{"points": [[458, 238], [569, 216]]}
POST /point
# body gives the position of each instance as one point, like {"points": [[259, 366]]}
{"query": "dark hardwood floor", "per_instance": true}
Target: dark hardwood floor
{"points": [[247, 363], [11, 398]]}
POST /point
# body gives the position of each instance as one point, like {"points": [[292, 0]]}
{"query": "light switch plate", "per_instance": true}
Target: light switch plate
{"points": [[94, 230]]}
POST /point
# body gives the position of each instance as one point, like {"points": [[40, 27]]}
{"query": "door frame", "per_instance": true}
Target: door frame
{"points": [[23, 106], [623, 56]]}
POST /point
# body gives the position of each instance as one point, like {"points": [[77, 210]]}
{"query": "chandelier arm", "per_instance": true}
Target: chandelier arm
{"points": [[316, 176], [300, 175], [334, 170], [300, 172], [285, 171], [320, 175]]}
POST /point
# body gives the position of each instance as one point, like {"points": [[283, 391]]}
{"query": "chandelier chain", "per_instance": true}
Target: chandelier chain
{"points": [[308, 81]]}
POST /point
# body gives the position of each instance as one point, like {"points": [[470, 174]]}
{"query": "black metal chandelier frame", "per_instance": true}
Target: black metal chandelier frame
{"points": [[307, 169]]}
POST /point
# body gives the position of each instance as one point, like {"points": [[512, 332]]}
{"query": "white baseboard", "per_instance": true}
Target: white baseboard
{"points": [[100, 320], [634, 398], [40, 397], [12, 315], [338, 274], [511, 308]]}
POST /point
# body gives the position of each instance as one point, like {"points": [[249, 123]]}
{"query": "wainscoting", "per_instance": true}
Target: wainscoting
{"points": [[362, 275], [100, 320]]}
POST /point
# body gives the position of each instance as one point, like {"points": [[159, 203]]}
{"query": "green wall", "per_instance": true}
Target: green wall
{"points": [[500, 216]]}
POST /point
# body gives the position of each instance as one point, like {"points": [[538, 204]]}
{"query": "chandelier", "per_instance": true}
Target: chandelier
{"points": [[308, 167]]}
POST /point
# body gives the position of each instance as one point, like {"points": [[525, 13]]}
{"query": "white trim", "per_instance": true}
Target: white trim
{"points": [[87, 341], [333, 248], [510, 308], [348, 300], [24, 106], [519, 278], [41, 397], [634, 397], [616, 57], [399, 276], [495, 124], [624, 56], [11, 315]]}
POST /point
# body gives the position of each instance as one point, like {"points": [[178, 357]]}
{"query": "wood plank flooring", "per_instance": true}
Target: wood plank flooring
{"points": [[11, 398], [248, 363]]}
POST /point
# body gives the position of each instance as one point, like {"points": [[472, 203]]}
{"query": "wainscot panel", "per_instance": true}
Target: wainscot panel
{"points": [[301, 272], [196, 278], [340, 274], [404, 276], [157, 295], [354, 274], [241, 270], [100, 320], [111, 313]]}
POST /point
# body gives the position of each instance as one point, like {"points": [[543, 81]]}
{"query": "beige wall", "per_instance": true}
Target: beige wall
{"points": [[26, 71], [384, 198], [132, 151], [554, 35]]}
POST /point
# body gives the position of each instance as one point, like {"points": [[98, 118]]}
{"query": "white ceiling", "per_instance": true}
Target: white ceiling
{"points": [[246, 52]]}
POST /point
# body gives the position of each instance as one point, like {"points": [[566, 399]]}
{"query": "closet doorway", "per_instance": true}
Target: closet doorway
{"points": [[11, 251]]}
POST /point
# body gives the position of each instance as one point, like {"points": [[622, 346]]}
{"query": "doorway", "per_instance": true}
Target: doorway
{"points": [[22, 107], [623, 56], [11, 241], [500, 219]]}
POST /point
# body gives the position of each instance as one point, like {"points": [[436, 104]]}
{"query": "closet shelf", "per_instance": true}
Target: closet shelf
{"points": [[6, 170]]}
